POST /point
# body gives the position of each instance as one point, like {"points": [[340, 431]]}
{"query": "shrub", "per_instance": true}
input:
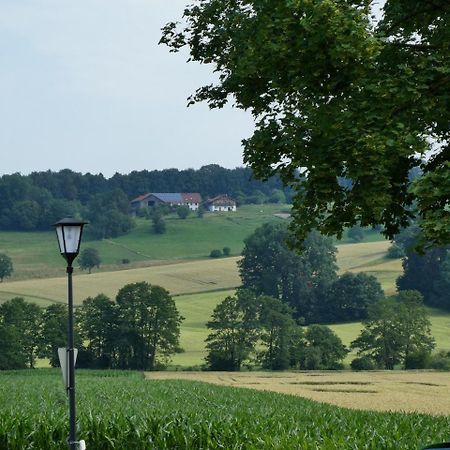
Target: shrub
{"points": [[216, 253], [6, 266], [363, 363], [125, 261], [356, 233], [418, 360], [183, 212], [395, 251], [144, 213], [226, 251], [440, 361], [159, 225], [277, 196]]}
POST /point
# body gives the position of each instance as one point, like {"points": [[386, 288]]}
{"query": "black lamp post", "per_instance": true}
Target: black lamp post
{"points": [[69, 233]]}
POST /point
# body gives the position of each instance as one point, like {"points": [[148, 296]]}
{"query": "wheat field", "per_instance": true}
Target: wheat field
{"points": [[409, 391], [177, 278], [188, 277]]}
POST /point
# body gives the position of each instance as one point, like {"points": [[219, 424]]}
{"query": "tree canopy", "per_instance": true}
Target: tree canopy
{"points": [[269, 267], [428, 272], [250, 328], [234, 331], [23, 322], [336, 95], [6, 266], [149, 324], [395, 330], [89, 258]]}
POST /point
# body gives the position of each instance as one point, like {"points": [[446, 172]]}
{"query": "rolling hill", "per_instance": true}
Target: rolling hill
{"points": [[178, 261]]}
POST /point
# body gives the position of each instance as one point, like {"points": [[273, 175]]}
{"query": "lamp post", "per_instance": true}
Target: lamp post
{"points": [[69, 233]]}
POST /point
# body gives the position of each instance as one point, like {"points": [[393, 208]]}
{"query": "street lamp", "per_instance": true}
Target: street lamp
{"points": [[69, 233]]}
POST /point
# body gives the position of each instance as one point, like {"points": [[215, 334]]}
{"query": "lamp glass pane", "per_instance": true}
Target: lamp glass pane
{"points": [[59, 234], [72, 235]]}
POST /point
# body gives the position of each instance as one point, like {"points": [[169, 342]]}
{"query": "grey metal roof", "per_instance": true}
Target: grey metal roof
{"points": [[169, 197]]}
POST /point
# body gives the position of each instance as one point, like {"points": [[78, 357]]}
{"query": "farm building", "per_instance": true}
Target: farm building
{"points": [[190, 199], [220, 203]]}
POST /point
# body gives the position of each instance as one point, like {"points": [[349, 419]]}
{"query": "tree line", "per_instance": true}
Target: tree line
{"points": [[33, 202], [257, 330], [284, 290], [139, 330]]}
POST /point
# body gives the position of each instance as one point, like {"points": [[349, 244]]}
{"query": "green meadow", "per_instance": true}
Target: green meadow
{"points": [[36, 254]]}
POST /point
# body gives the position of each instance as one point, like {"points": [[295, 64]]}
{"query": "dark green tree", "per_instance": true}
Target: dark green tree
{"points": [[108, 215], [26, 319], [363, 363], [394, 330], [6, 266], [99, 327], [350, 296], [356, 233], [25, 215], [395, 251], [297, 346], [89, 258], [429, 274], [234, 331], [149, 326], [12, 355], [277, 196], [200, 212], [270, 267], [216, 253], [276, 324], [323, 349], [335, 96], [54, 332], [416, 326]]}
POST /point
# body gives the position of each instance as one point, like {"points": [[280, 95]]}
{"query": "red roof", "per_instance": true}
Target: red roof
{"points": [[222, 200], [191, 197], [140, 198]]}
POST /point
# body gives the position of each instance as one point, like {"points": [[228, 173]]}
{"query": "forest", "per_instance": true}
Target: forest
{"points": [[35, 201]]}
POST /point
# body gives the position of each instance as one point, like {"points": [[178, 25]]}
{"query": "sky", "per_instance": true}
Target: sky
{"points": [[84, 85]]}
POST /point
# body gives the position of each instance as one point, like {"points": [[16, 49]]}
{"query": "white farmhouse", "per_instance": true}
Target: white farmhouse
{"points": [[220, 203]]}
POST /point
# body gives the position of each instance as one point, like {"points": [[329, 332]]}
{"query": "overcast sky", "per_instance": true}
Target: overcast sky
{"points": [[84, 85]]}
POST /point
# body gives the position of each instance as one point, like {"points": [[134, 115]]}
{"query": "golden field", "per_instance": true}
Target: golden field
{"points": [[188, 277], [177, 278], [409, 391]]}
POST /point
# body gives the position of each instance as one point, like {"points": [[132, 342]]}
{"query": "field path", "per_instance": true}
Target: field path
{"points": [[410, 391]]}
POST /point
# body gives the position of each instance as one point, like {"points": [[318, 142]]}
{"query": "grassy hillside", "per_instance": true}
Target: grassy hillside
{"points": [[177, 278], [185, 277], [36, 255]]}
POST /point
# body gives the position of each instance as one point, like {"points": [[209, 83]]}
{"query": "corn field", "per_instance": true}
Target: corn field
{"points": [[120, 410]]}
